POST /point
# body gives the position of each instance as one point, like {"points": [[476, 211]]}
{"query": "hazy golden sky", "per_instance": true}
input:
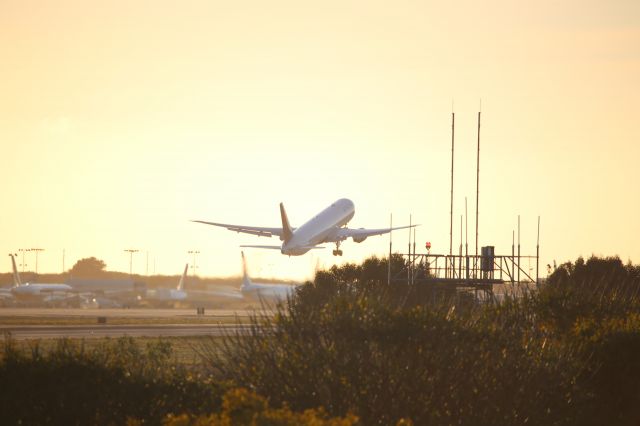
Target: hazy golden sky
{"points": [[122, 120]]}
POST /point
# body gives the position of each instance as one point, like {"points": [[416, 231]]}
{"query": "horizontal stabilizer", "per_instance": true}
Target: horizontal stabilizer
{"points": [[265, 247], [280, 247]]}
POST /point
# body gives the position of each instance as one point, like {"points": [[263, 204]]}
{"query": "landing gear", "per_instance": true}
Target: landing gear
{"points": [[337, 251]]}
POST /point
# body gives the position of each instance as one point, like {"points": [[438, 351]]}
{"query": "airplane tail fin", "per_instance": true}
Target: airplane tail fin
{"points": [[246, 281], [183, 278], [287, 232], [16, 275]]}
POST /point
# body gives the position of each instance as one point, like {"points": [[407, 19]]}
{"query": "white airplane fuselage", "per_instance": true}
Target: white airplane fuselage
{"points": [[260, 291], [39, 289], [268, 291], [319, 229], [35, 290]]}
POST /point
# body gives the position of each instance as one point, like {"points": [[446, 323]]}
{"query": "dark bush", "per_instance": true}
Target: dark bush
{"points": [[351, 346], [72, 385]]}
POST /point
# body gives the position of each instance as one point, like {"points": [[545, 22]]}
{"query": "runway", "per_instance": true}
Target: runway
{"points": [[120, 313], [24, 332], [55, 323]]}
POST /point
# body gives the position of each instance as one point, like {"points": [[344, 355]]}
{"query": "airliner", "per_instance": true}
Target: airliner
{"points": [[328, 226], [171, 294], [179, 294], [48, 292], [263, 291]]}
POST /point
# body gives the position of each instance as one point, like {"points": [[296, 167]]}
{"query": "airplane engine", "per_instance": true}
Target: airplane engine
{"points": [[358, 239]]}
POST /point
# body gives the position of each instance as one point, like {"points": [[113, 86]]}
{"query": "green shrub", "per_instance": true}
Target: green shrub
{"points": [[241, 407], [427, 364], [351, 346], [105, 385]]}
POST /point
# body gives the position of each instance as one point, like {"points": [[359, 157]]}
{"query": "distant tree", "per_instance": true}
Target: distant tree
{"points": [[595, 271], [88, 267]]}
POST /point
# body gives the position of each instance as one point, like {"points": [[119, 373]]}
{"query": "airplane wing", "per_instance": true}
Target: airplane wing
{"points": [[363, 233], [253, 230]]}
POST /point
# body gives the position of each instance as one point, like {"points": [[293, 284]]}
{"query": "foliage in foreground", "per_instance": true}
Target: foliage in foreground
{"points": [[566, 354], [105, 385], [244, 408], [563, 355], [121, 382]]}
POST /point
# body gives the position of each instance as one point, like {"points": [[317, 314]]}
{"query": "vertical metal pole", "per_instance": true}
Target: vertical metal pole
{"points": [[193, 265], [131, 251], [538, 254], [518, 249], [466, 237], [460, 258], [453, 127], [413, 260], [389, 261], [409, 265], [477, 183], [37, 250], [513, 260]]}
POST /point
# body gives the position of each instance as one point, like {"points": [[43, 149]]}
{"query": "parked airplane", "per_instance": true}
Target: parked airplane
{"points": [[6, 296], [263, 291], [170, 294], [179, 294], [46, 292], [328, 226]]}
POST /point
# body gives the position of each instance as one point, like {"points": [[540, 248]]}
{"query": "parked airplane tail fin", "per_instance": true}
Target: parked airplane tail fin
{"points": [[183, 278], [246, 281], [16, 275], [287, 232]]}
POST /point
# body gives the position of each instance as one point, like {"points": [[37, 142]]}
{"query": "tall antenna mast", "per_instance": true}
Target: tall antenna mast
{"points": [[453, 130], [538, 254], [466, 239], [389, 261], [513, 253], [518, 248], [410, 265], [478, 180], [466, 228], [413, 259], [460, 258]]}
